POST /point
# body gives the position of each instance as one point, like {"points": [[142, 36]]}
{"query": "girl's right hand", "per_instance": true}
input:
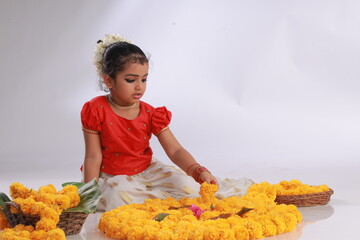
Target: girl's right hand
{"points": [[208, 177]]}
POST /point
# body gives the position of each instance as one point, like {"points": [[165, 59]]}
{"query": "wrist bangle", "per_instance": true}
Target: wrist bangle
{"points": [[197, 172], [192, 165]]}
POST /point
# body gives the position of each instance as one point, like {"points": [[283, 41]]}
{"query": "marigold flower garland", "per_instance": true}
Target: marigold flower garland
{"points": [[48, 203], [205, 217]]}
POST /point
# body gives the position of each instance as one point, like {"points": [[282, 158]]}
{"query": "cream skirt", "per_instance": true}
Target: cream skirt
{"points": [[159, 181]]}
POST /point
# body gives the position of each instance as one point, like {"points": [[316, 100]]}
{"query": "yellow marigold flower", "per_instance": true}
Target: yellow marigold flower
{"points": [[241, 232], [19, 227], [296, 187], [38, 207], [255, 229], [68, 188], [280, 224], [29, 228], [62, 201], [27, 206], [207, 191], [209, 214], [50, 213], [47, 198], [323, 188], [189, 218], [45, 224], [56, 234], [293, 209], [47, 189], [38, 235], [18, 190], [186, 201], [211, 232], [10, 234], [74, 199], [290, 221]]}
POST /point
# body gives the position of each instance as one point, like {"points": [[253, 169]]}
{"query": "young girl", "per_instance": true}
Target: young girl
{"points": [[117, 128]]}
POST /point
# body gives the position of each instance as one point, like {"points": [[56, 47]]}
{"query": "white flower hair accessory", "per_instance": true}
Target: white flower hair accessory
{"points": [[101, 46]]}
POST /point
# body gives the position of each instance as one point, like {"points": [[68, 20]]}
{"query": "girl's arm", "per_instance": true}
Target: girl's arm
{"points": [[181, 157], [93, 157]]}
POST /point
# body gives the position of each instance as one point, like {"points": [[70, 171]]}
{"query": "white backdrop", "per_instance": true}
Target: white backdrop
{"points": [[252, 85]]}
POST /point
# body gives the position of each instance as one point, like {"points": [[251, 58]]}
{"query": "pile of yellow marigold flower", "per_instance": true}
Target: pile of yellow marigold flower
{"points": [[218, 218], [296, 187], [48, 203]]}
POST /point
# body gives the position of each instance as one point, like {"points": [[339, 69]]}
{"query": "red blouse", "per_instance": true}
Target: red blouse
{"points": [[125, 144]]}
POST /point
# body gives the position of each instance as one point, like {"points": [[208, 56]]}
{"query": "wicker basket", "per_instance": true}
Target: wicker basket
{"points": [[305, 200], [70, 222]]}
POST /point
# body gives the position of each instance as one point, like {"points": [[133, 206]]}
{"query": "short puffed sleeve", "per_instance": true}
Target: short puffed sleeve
{"points": [[90, 118], [160, 120]]}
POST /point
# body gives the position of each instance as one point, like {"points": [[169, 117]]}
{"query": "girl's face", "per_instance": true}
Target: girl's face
{"points": [[129, 85]]}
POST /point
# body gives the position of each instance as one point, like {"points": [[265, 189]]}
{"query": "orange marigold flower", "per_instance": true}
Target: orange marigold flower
{"points": [[18, 190], [68, 188], [38, 235], [207, 191], [47, 189], [50, 213], [45, 224], [62, 201], [56, 234], [3, 221]]}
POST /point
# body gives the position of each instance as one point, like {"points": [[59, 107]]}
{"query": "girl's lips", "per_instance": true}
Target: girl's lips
{"points": [[137, 96]]}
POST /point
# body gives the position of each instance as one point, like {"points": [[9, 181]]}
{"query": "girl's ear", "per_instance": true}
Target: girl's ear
{"points": [[107, 81]]}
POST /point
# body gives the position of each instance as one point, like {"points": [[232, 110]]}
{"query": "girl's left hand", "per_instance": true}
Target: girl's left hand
{"points": [[208, 177]]}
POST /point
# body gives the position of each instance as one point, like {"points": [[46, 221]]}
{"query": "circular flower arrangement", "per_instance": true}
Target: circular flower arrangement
{"points": [[253, 216]]}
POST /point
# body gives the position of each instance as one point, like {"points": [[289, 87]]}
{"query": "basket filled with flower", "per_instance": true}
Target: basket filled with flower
{"points": [[40, 213], [302, 195]]}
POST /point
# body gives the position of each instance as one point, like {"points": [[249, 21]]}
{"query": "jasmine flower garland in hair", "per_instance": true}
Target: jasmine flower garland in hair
{"points": [[101, 46]]}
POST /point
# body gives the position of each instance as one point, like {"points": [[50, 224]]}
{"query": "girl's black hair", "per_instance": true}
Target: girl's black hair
{"points": [[118, 55]]}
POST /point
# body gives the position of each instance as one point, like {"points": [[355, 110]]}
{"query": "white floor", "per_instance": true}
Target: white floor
{"points": [[337, 220]]}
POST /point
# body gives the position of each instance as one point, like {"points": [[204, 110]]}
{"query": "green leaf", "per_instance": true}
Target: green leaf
{"points": [[89, 196], [4, 197], [160, 217], [243, 211], [2, 204], [3, 207]]}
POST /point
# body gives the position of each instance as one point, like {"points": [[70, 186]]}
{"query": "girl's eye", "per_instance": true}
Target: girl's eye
{"points": [[144, 80], [129, 80]]}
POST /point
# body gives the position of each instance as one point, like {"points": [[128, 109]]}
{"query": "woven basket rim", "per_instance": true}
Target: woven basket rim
{"points": [[305, 200]]}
